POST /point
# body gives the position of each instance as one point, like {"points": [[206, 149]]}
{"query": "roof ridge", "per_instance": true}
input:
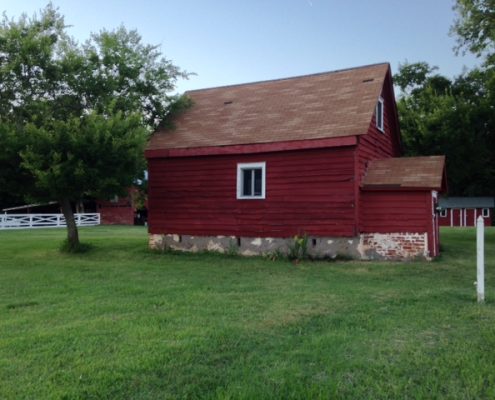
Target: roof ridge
{"points": [[287, 78]]}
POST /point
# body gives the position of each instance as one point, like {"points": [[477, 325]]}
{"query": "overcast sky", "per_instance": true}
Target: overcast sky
{"points": [[226, 42]]}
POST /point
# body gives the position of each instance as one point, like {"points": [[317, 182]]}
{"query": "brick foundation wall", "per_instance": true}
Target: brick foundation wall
{"points": [[394, 246]]}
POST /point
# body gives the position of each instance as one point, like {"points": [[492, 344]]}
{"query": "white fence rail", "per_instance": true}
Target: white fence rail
{"points": [[27, 221]]}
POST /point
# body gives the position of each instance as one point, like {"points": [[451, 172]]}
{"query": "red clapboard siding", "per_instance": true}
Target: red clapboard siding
{"points": [[377, 144], [119, 211], [400, 212], [455, 217], [116, 214], [307, 191]]}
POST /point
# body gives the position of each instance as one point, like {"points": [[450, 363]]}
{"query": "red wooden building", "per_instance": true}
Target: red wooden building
{"points": [[250, 166], [463, 211], [117, 211]]}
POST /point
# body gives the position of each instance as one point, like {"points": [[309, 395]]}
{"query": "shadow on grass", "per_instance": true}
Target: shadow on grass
{"points": [[80, 248]]}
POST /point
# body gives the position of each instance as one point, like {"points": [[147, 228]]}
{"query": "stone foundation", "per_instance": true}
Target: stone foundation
{"points": [[369, 246], [318, 247]]}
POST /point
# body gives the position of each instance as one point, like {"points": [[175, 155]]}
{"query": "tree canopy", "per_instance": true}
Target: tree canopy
{"points": [[74, 118], [456, 117], [475, 27], [451, 117]]}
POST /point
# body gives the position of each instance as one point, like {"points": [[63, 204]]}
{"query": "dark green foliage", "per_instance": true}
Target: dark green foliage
{"points": [[475, 27], [94, 155], [121, 322], [122, 73], [455, 118], [11, 140], [74, 118], [412, 76]]}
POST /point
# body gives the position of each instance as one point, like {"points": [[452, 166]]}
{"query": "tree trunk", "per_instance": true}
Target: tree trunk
{"points": [[72, 234]]}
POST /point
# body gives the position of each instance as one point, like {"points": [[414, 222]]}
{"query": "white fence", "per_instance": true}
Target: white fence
{"points": [[26, 221]]}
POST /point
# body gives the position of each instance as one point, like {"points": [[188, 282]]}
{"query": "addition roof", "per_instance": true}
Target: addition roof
{"points": [[406, 173], [467, 202], [325, 105]]}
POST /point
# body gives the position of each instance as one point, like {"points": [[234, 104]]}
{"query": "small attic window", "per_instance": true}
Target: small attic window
{"points": [[379, 114], [368, 80], [227, 102]]}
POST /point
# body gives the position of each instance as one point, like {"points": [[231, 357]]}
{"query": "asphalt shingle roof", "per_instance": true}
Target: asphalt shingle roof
{"points": [[325, 105], [406, 172], [467, 202]]}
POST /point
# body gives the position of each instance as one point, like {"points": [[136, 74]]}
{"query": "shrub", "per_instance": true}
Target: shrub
{"points": [[298, 250]]}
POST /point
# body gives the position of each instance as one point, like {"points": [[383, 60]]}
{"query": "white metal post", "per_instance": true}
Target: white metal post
{"points": [[480, 259]]}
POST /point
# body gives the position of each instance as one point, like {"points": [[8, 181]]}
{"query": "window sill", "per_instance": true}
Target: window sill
{"points": [[250, 197]]}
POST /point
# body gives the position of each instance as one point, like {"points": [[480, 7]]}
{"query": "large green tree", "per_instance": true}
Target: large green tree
{"points": [[74, 118], [451, 117], [456, 116], [475, 28]]}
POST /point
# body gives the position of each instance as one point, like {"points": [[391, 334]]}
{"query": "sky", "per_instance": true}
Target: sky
{"points": [[227, 42]]}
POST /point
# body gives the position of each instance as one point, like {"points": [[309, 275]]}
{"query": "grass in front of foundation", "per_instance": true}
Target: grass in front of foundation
{"points": [[122, 322]]}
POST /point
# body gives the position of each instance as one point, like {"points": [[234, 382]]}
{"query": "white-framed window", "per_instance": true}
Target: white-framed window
{"points": [[251, 180], [485, 213], [443, 212], [379, 114]]}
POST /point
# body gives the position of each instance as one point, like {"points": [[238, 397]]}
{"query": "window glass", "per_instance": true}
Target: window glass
{"points": [[251, 180], [247, 182], [379, 114], [257, 182]]}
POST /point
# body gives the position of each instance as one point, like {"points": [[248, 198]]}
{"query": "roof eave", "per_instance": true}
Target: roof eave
{"points": [[251, 148], [388, 188]]}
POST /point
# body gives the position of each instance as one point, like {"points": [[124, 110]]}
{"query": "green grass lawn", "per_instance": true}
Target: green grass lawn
{"points": [[122, 322]]}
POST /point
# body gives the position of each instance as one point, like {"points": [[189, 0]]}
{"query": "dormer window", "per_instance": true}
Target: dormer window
{"points": [[379, 114]]}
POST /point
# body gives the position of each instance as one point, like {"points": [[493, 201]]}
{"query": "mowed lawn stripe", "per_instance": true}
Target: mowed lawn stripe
{"points": [[122, 322]]}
